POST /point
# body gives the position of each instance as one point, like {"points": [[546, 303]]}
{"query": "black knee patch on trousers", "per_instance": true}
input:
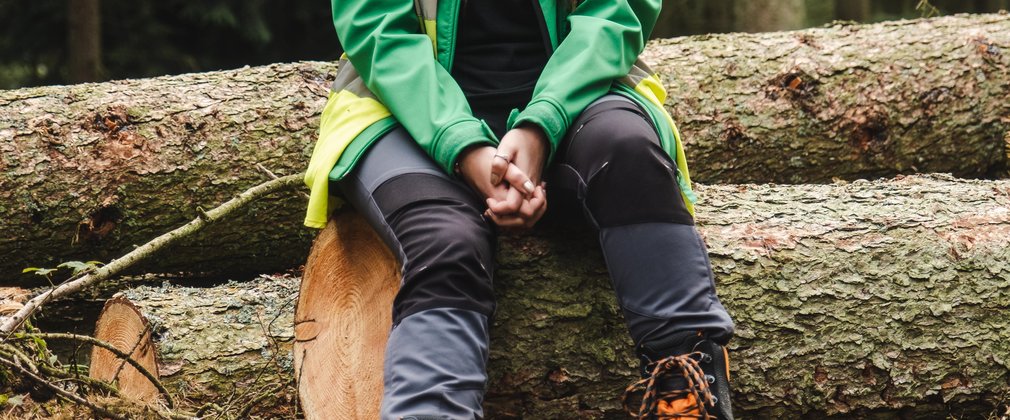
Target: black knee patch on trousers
{"points": [[450, 247], [628, 177]]}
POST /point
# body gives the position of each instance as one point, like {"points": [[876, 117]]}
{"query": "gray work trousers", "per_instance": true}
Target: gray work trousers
{"points": [[611, 162]]}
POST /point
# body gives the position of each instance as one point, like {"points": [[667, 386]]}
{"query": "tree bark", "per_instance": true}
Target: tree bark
{"points": [[225, 344], [863, 300], [91, 170], [859, 101]]}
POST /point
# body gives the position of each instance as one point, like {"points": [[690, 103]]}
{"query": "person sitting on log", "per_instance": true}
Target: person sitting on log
{"points": [[444, 118]]}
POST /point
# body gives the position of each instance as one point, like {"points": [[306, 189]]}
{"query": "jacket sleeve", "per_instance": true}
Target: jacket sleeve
{"points": [[604, 42], [396, 61]]}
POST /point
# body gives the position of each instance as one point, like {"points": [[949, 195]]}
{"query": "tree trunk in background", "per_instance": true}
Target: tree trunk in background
{"points": [[857, 10], [995, 5], [92, 170], [769, 15], [878, 299], [820, 12], [84, 40], [691, 17]]}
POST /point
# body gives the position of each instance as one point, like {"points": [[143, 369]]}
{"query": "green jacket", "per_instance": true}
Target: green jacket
{"points": [[397, 61]]}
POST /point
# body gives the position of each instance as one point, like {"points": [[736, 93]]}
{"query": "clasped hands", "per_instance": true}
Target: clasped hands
{"points": [[509, 177]]}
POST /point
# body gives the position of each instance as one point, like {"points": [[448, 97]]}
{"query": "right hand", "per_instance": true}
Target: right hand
{"points": [[475, 164]]}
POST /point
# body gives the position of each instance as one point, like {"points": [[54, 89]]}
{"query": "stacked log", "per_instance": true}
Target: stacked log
{"points": [[864, 299], [226, 344], [89, 171]]}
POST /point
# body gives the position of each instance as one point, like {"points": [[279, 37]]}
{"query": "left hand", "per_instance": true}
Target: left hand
{"points": [[519, 161]]}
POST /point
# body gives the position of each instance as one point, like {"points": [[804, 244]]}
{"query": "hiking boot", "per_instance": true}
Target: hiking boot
{"points": [[685, 376]]}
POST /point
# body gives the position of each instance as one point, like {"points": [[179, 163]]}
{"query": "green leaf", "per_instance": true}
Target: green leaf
{"points": [[16, 400], [77, 266], [30, 269], [44, 271]]}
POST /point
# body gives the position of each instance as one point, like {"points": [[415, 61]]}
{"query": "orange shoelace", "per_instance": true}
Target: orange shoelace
{"points": [[687, 403]]}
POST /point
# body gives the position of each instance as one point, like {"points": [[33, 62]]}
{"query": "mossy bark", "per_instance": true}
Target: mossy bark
{"points": [[870, 299], [228, 344], [860, 300], [846, 101], [89, 171]]}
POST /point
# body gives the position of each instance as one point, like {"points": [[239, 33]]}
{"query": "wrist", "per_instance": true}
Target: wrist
{"points": [[537, 132]]}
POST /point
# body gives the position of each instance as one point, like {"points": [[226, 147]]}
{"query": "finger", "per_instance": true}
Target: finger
{"points": [[510, 205], [500, 163], [518, 179], [532, 206], [540, 212], [506, 221]]}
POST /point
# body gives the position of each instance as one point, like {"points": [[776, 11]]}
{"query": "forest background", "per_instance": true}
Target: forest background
{"points": [[70, 41]]}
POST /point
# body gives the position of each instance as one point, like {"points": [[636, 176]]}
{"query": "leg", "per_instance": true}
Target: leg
{"points": [[437, 351], [657, 261], [628, 185]]}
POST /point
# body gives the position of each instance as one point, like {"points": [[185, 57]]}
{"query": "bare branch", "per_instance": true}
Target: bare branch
{"points": [[138, 254]]}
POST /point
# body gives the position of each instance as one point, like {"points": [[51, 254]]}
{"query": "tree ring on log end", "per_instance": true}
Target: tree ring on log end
{"points": [[123, 326], [342, 320]]}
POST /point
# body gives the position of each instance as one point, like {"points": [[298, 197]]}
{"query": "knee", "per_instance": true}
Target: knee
{"points": [[449, 254], [632, 179], [620, 140]]}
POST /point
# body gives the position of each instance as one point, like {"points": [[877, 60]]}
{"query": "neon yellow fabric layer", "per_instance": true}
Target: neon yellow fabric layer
{"points": [[344, 117], [652, 89], [430, 29]]}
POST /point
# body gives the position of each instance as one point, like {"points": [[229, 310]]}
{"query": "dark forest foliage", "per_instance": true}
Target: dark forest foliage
{"points": [[142, 38]]}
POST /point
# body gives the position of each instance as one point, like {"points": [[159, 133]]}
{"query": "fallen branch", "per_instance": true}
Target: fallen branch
{"points": [[60, 391], [138, 254], [119, 353]]}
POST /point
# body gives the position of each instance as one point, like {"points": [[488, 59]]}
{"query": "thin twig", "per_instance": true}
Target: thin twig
{"points": [[273, 176], [119, 353], [244, 413], [140, 339], [60, 391], [52, 371], [18, 354], [118, 265]]}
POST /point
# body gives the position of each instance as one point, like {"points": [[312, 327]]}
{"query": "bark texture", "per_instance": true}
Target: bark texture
{"points": [[866, 299], [863, 300], [847, 101], [96, 169], [228, 344], [88, 171]]}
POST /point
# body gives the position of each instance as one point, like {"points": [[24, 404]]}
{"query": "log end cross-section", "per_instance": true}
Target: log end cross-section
{"points": [[122, 325], [342, 320]]}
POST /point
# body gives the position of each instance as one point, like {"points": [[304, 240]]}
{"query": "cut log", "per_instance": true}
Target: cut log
{"points": [[229, 344], [122, 325], [845, 101], [869, 299], [88, 171], [342, 320]]}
